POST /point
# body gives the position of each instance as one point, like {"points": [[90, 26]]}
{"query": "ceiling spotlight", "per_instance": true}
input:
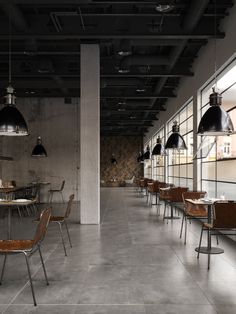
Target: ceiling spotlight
{"points": [[121, 109], [132, 117], [140, 89], [164, 8], [125, 48], [121, 103], [123, 70]]}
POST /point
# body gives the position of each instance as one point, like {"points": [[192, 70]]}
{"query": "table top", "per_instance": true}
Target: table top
{"points": [[16, 202], [202, 201]]}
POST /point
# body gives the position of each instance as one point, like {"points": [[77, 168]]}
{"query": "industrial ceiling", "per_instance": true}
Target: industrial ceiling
{"points": [[146, 48]]}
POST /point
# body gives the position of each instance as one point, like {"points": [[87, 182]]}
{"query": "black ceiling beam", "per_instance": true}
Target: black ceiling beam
{"points": [[150, 74], [126, 125], [161, 73], [143, 96], [179, 4], [98, 37], [195, 11], [108, 119]]}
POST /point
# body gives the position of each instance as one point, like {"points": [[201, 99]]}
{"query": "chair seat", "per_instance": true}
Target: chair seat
{"points": [[54, 218], [197, 213], [54, 190], [57, 218], [16, 245]]}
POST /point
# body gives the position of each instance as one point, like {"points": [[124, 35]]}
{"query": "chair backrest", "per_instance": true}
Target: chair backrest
{"points": [[62, 185], [165, 193], [225, 214], [176, 194], [42, 225], [194, 195], [69, 205]]}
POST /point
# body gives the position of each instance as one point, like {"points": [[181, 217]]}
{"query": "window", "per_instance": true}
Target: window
{"points": [[158, 162], [147, 162], [218, 171], [179, 163]]}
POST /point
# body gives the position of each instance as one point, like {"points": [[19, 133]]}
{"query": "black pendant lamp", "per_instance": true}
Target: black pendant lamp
{"points": [[158, 148], [12, 123], [146, 155], [215, 121], [140, 157], [39, 150], [175, 140]]}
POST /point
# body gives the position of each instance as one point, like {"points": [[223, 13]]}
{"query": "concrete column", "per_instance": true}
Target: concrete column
{"points": [[90, 134]]}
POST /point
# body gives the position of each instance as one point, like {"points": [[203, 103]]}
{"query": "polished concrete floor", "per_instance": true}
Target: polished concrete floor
{"points": [[132, 263]]}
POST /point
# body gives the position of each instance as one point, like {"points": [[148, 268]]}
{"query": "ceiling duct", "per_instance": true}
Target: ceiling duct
{"points": [[120, 82], [145, 60]]}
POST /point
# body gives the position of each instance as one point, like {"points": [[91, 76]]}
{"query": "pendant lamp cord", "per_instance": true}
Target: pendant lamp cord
{"points": [[9, 46], [215, 66]]}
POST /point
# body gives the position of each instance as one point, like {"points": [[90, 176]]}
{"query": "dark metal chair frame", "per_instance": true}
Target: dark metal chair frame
{"points": [[224, 223], [60, 220], [27, 248], [52, 191], [187, 214]]}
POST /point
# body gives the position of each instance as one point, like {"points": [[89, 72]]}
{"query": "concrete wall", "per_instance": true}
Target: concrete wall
{"points": [[57, 124]]}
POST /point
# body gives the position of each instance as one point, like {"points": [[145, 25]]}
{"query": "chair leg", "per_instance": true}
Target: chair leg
{"points": [[44, 269], [182, 223], [67, 230], [3, 268], [19, 211], [200, 242], [62, 238], [209, 247], [63, 201], [185, 231], [164, 214], [30, 278]]}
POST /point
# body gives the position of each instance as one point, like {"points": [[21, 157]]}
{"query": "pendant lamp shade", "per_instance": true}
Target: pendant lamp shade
{"points": [[140, 157], [39, 150], [175, 140], [158, 148], [215, 121], [12, 123], [146, 155]]}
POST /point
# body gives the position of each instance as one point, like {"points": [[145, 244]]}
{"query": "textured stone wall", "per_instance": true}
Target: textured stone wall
{"points": [[125, 150]]}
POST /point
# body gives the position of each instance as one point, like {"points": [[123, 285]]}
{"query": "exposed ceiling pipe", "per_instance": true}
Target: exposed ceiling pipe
{"points": [[120, 82], [154, 42], [17, 18], [190, 21], [145, 60]]}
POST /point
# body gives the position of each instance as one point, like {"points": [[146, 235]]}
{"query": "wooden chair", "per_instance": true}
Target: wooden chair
{"points": [[27, 248], [60, 220], [174, 200], [224, 223], [191, 211], [52, 191]]}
